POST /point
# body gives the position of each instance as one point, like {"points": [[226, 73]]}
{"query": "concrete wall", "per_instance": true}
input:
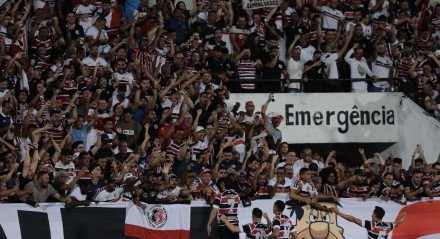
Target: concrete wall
{"points": [[415, 127]]}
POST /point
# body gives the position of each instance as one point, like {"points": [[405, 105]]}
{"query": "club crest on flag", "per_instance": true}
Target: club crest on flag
{"points": [[157, 216]]}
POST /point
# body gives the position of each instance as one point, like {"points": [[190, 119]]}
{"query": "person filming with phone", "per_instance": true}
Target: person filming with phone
{"points": [[273, 121]]}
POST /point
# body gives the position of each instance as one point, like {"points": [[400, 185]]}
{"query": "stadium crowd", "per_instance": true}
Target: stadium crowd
{"points": [[129, 100]]}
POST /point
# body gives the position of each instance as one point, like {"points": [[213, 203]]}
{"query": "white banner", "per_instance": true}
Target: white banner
{"points": [[10, 222], [332, 118], [173, 221], [158, 221], [422, 218], [255, 4]]}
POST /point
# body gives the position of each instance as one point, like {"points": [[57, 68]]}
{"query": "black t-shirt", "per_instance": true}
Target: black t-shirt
{"points": [[412, 187], [5, 120], [275, 72], [317, 72], [75, 33], [208, 31]]}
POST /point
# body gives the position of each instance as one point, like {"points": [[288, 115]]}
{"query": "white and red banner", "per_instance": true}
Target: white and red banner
{"points": [[255, 4], [158, 221], [53, 220]]}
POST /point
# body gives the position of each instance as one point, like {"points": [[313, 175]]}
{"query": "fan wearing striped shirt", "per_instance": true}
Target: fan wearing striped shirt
{"points": [[254, 230], [282, 225], [225, 203], [247, 68], [376, 228]]}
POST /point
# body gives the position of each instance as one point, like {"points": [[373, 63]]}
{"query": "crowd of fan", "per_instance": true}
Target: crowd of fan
{"points": [[129, 100]]}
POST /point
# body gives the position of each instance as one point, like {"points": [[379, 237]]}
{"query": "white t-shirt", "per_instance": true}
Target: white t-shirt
{"points": [[90, 62], [381, 68], [359, 69], [299, 164], [283, 190], [76, 193], [383, 10], [102, 195], [295, 70], [81, 9], [307, 53], [331, 18], [330, 59], [93, 32]]}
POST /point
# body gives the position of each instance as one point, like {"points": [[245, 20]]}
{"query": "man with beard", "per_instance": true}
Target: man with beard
{"points": [[41, 190], [171, 192], [122, 77], [129, 128], [93, 59], [355, 186], [260, 189]]}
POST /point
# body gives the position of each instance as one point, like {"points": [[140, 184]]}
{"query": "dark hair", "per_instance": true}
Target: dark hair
{"points": [[303, 171], [54, 112], [41, 174], [279, 205], [226, 181], [228, 149], [397, 160], [93, 166], [379, 212], [256, 212], [388, 173], [66, 152], [325, 172], [313, 167], [418, 160], [76, 144], [417, 171]]}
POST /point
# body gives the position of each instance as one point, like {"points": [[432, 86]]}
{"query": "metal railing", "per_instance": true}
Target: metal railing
{"points": [[277, 85]]}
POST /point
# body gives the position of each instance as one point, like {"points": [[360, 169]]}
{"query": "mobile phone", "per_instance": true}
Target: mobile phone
{"points": [[272, 97]]}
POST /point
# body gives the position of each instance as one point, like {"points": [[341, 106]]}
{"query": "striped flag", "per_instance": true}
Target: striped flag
{"points": [[158, 221]]}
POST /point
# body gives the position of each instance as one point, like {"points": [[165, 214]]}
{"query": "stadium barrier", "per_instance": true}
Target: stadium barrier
{"points": [[109, 220]]}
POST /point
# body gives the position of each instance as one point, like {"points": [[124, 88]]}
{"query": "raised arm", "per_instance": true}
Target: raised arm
{"points": [[348, 217]]}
